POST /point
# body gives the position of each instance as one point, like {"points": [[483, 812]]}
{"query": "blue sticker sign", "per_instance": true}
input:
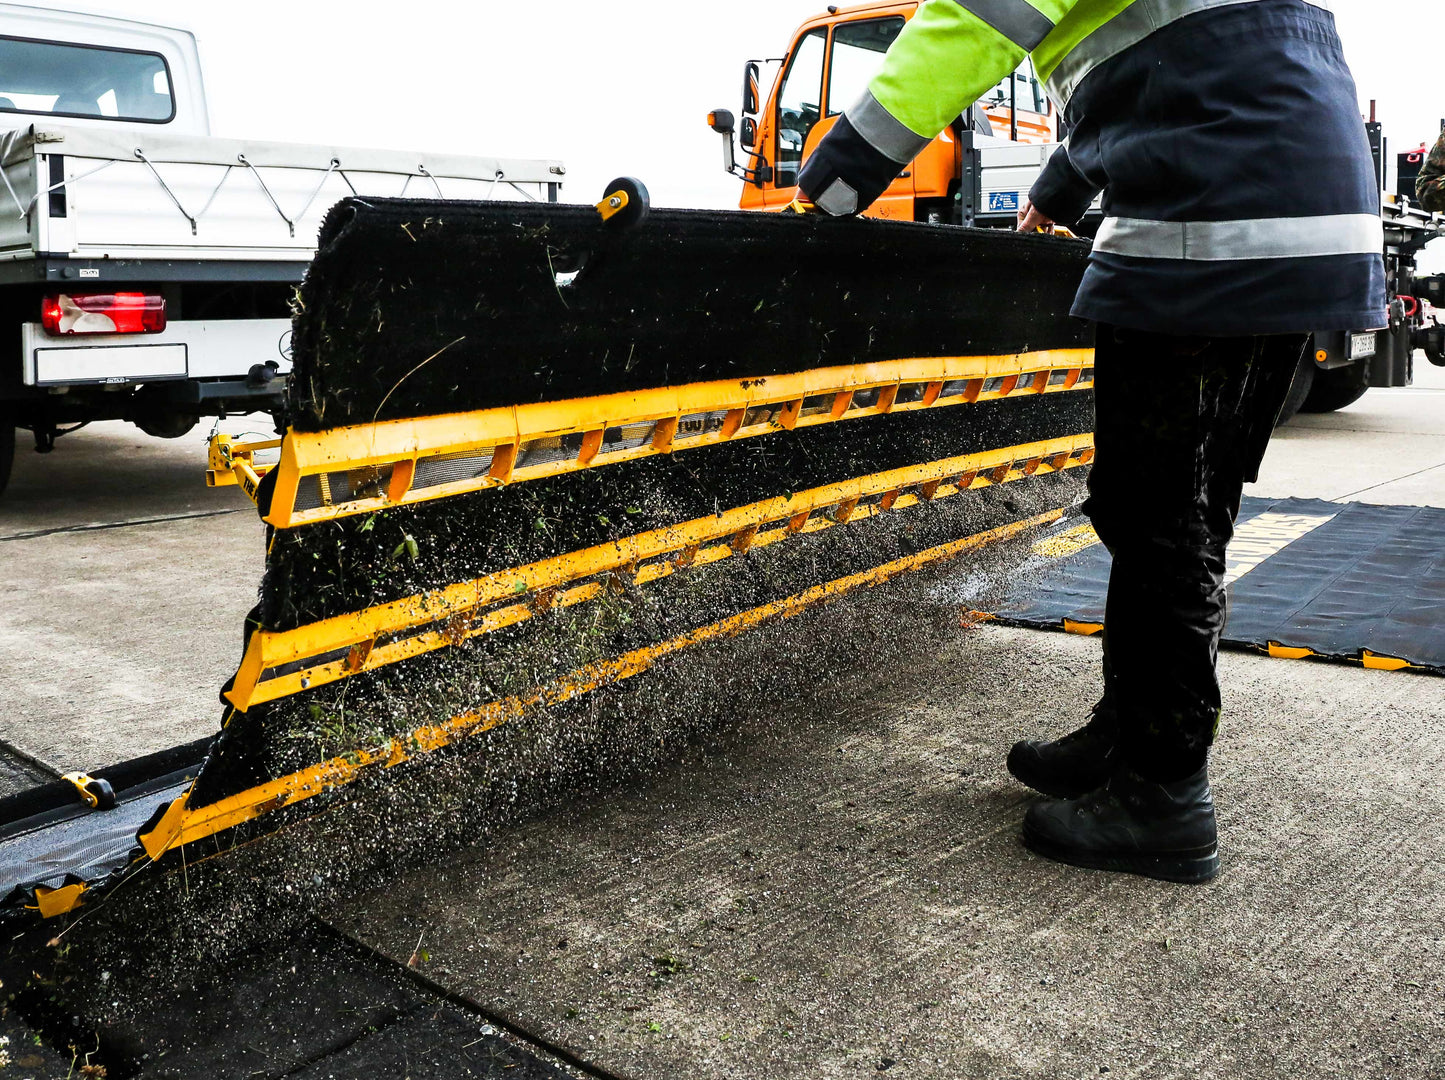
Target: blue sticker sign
{"points": [[1001, 201]]}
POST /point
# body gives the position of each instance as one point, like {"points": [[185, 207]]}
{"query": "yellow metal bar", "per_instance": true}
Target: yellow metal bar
{"points": [[230, 463], [181, 824], [735, 530], [506, 433]]}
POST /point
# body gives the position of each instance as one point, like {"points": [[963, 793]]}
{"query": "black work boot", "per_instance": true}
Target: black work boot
{"points": [[1074, 765], [1132, 824]]}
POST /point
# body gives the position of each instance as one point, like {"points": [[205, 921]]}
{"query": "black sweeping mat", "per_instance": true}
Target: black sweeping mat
{"points": [[471, 293], [1334, 578], [279, 737], [330, 568], [417, 308]]}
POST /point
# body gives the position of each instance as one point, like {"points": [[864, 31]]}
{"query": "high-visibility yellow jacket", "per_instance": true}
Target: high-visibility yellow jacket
{"points": [[1239, 193]]}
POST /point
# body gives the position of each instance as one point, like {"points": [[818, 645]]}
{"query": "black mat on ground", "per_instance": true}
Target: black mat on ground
{"points": [[1339, 579], [487, 289]]}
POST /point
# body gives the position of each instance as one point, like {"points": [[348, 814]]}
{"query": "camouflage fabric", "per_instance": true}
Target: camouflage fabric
{"points": [[1430, 184]]}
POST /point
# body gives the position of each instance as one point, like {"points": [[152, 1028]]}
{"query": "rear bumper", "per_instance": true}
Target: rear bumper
{"points": [[225, 349]]}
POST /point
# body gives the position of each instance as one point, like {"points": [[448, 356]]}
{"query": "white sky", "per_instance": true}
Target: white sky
{"points": [[610, 88]]}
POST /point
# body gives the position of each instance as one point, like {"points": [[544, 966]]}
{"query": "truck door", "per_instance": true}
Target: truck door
{"points": [[797, 107], [854, 57], [827, 70]]}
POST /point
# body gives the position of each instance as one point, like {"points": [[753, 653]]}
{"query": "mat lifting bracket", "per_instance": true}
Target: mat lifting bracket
{"points": [[229, 462], [97, 794]]}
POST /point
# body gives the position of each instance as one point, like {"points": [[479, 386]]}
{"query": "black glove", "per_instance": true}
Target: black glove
{"points": [[844, 174]]}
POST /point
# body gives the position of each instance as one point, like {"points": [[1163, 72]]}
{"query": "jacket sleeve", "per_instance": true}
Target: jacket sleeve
{"points": [[947, 55], [1063, 192], [1430, 184]]}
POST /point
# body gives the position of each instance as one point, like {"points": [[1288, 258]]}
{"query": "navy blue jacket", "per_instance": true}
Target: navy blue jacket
{"points": [[1238, 188], [1245, 113]]}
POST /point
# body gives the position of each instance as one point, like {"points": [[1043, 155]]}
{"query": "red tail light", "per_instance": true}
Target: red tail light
{"points": [[103, 313]]}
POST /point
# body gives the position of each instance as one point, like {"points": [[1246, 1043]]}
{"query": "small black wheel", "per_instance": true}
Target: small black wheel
{"points": [[104, 794], [265, 492], [637, 202]]}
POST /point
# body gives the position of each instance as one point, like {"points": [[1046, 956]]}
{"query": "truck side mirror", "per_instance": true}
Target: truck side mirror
{"points": [[751, 92], [748, 137], [721, 121]]}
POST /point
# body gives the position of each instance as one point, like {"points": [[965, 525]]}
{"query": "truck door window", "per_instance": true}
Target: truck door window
{"points": [[800, 99], [56, 79], [858, 49]]}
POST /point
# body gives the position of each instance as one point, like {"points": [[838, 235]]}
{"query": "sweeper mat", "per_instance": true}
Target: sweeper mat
{"points": [[1343, 581]]}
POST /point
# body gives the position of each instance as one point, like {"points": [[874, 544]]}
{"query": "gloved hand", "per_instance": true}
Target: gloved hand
{"points": [[800, 205]]}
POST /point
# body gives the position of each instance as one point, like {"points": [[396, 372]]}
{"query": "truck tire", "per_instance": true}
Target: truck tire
{"points": [[7, 442], [1299, 389], [166, 425], [1336, 388]]}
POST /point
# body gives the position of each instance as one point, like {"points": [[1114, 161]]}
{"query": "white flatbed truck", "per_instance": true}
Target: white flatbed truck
{"points": [[146, 267]]}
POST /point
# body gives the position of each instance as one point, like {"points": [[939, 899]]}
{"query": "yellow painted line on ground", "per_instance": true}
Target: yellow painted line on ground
{"points": [[1069, 542], [1264, 535]]}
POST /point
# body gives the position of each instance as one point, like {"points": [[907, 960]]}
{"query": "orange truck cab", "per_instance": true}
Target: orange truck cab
{"points": [[828, 65]]}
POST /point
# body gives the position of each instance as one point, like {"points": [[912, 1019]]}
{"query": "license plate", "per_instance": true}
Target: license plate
{"points": [[1362, 345]]}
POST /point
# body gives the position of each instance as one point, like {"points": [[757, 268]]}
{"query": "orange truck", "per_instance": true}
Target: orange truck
{"points": [[977, 172]]}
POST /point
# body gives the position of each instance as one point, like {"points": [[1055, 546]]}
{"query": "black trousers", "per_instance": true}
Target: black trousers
{"points": [[1181, 424]]}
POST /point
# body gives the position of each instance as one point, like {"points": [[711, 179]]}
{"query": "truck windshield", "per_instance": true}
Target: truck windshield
{"points": [[56, 79]]}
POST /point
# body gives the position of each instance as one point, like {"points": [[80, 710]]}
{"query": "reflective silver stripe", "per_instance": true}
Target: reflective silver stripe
{"points": [[839, 199], [882, 131], [1129, 27], [1018, 20], [1254, 238]]}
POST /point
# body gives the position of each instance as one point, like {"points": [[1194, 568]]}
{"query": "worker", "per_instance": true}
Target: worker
{"points": [[1430, 184], [1241, 213]]}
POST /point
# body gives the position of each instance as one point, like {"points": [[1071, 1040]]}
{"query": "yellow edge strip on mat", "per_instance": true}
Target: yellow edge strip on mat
{"points": [[1372, 660], [181, 825], [401, 445], [359, 632]]}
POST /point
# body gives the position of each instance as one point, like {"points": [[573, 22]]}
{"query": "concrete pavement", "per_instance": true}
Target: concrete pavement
{"points": [[836, 887], [123, 583], [1388, 447], [839, 890]]}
